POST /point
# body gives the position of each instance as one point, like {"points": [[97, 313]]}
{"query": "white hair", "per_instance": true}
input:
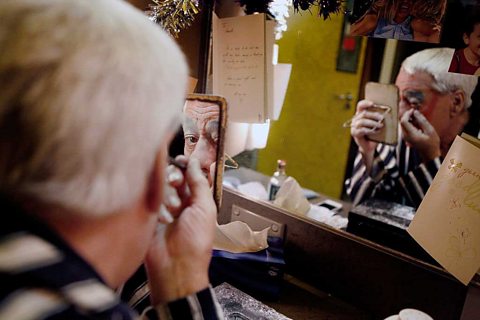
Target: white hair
{"points": [[88, 92], [435, 62]]}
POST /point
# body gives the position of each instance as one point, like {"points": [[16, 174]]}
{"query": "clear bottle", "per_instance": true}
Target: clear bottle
{"points": [[276, 181]]}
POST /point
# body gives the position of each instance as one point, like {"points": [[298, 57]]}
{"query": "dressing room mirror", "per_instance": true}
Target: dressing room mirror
{"points": [[329, 72], [321, 97], [201, 136]]}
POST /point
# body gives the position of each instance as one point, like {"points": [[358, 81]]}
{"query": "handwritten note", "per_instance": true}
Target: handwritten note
{"points": [[239, 66], [447, 223]]}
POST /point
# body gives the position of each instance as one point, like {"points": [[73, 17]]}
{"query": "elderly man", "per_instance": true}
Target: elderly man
{"points": [[432, 111], [90, 94]]}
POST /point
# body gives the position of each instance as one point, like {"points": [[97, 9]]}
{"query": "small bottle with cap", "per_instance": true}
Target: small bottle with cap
{"points": [[276, 181]]}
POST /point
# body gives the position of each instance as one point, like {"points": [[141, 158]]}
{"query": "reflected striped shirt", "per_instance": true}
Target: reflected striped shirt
{"points": [[398, 174]]}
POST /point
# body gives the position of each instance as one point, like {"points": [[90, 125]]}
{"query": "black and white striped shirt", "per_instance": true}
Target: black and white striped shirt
{"points": [[43, 278], [397, 175]]}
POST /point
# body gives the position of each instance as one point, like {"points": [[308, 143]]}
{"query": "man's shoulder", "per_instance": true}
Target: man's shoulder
{"points": [[40, 278]]}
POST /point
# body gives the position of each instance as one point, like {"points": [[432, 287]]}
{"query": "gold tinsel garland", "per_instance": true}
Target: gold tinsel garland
{"points": [[173, 15]]}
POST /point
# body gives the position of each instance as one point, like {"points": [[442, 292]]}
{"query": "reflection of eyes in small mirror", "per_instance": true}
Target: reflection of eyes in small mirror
{"points": [[200, 126], [201, 136]]}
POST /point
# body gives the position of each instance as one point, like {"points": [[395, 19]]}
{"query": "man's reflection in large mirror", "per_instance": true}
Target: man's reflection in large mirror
{"points": [[433, 109]]}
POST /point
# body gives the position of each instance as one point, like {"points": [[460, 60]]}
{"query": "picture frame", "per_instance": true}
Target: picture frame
{"points": [[349, 48]]}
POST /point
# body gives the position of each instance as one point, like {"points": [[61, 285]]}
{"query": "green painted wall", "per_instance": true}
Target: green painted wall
{"points": [[309, 133]]}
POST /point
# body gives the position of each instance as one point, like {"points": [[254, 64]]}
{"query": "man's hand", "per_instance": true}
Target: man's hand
{"points": [[178, 259], [363, 123], [420, 134]]}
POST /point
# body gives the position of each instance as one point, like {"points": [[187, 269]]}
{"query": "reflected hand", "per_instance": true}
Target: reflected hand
{"points": [[178, 259], [363, 123], [420, 134]]}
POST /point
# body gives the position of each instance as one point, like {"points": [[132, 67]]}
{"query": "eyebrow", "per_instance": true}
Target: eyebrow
{"points": [[212, 127], [189, 125]]}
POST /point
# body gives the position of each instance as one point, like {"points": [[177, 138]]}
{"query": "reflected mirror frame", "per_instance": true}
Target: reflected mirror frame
{"points": [[222, 104]]}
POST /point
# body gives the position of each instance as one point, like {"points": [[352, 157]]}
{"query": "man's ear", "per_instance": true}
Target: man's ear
{"points": [[154, 192], [466, 39], [458, 103]]}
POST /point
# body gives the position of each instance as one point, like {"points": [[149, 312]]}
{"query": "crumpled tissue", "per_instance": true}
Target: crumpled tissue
{"points": [[290, 196], [253, 189], [327, 216], [238, 237]]}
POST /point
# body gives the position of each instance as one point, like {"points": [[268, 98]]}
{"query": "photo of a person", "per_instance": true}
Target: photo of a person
{"points": [[201, 130], [402, 19], [467, 60]]}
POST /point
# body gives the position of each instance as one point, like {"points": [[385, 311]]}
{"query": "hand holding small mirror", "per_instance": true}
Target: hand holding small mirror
{"points": [[194, 174]]}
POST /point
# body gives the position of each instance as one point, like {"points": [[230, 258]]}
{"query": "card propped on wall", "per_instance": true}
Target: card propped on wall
{"points": [[243, 66], [447, 223]]}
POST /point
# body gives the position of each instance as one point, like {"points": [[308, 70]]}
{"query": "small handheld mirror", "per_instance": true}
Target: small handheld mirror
{"points": [[201, 136], [385, 98]]}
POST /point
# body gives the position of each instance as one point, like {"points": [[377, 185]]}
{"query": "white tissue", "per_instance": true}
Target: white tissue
{"points": [[253, 189], [237, 237], [324, 215], [231, 182], [290, 197], [320, 214]]}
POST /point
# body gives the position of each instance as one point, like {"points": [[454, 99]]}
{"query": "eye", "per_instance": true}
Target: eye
{"points": [[191, 139], [414, 98]]}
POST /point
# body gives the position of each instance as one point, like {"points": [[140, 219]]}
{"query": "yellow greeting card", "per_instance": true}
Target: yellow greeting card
{"points": [[447, 223]]}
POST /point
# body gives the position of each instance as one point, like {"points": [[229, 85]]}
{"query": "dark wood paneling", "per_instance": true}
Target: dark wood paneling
{"points": [[193, 40]]}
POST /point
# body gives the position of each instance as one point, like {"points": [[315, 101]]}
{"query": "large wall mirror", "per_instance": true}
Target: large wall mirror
{"points": [[310, 136], [329, 72]]}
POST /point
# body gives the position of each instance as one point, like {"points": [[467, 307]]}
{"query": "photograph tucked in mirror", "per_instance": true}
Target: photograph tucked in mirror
{"points": [[466, 59], [200, 136], [402, 20]]}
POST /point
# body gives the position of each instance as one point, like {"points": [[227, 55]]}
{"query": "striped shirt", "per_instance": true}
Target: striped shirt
{"points": [[397, 175], [43, 278], [136, 292]]}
